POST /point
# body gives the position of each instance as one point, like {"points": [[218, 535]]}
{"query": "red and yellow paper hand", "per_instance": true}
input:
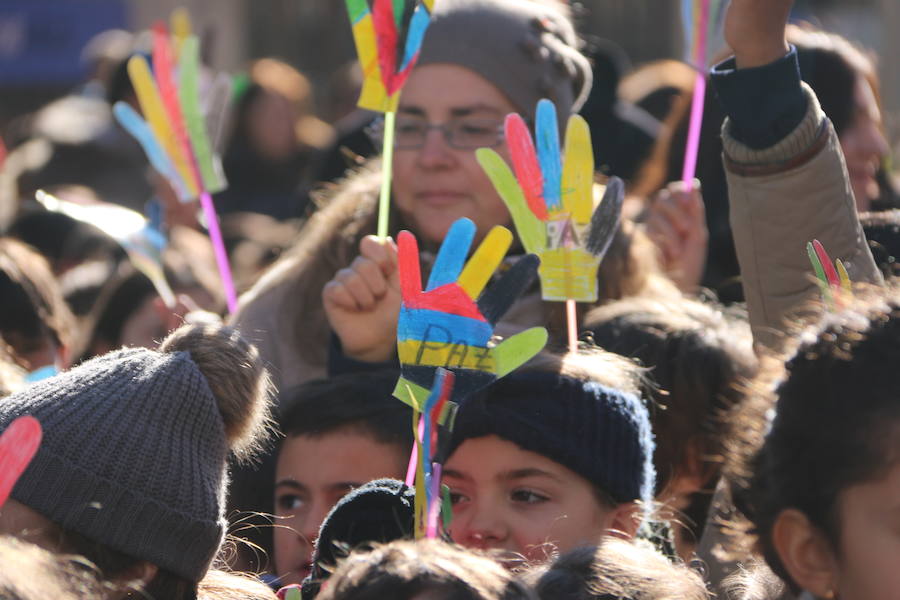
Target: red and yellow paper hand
{"points": [[388, 36], [446, 342], [173, 131], [451, 322], [551, 202]]}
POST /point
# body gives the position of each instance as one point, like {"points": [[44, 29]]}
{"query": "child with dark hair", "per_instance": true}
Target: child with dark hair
{"points": [[423, 570], [339, 434], [620, 570], [131, 470], [696, 355], [35, 321], [814, 466], [552, 457]]}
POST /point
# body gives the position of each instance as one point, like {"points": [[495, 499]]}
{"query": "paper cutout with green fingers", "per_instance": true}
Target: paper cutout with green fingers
{"points": [[451, 322], [551, 201], [833, 280]]}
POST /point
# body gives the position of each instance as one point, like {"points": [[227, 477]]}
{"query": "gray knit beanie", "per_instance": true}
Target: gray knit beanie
{"points": [[135, 444], [526, 48]]}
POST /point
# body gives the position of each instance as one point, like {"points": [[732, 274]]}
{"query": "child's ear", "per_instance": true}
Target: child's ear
{"points": [[624, 519], [805, 553]]}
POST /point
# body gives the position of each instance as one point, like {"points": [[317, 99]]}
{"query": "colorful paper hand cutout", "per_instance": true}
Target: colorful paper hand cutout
{"points": [[18, 445], [833, 280], [141, 241], [551, 202], [388, 36], [450, 323], [173, 130]]}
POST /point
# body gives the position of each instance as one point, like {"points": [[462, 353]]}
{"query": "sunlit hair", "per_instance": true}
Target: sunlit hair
{"points": [[403, 570], [617, 569], [835, 396]]}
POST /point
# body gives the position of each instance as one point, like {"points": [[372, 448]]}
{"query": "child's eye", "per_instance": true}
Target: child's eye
{"points": [[289, 502], [528, 497]]}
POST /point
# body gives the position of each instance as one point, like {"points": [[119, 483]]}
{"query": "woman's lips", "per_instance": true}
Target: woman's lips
{"points": [[439, 197]]}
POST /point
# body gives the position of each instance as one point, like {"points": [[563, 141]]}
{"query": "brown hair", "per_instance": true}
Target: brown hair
{"points": [[697, 354], [32, 573], [403, 569], [33, 306], [224, 585], [813, 402], [618, 569], [330, 242]]}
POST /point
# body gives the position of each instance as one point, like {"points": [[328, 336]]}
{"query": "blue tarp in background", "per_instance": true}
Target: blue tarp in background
{"points": [[41, 40]]}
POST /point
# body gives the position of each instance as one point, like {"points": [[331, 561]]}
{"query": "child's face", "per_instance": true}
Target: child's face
{"points": [[866, 566], [511, 499], [312, 474]]}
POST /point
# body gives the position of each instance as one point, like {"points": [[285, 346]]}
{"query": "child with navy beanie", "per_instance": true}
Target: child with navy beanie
{"points": [[551, 458]]}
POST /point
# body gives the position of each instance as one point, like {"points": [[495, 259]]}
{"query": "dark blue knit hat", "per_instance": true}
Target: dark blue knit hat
{"points": [[600, 433]]}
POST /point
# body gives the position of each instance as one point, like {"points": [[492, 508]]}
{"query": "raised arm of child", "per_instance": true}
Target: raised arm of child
{"points": [[787, 180]]}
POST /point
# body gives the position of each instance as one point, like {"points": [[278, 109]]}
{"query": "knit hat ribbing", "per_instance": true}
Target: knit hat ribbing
{"points": [[600, 433], [526, 49], [134, 449], [379, 511]]}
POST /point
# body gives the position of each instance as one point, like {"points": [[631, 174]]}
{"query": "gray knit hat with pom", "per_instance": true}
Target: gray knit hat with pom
{"points": [[528, 49], [135, 445]]}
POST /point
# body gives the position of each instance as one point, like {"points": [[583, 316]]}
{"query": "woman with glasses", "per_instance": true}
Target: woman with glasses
{"points": [[481, 59]]}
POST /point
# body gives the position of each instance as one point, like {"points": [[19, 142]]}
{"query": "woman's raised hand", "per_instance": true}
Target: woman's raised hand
{"points": [[362, 302], [755, 31], [676, 222]]}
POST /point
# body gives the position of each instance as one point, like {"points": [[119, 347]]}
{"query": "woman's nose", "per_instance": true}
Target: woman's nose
{"points": [[435, 151]]}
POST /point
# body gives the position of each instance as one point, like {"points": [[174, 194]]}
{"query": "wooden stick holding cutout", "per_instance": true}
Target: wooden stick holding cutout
{"points": [[388, 36]]}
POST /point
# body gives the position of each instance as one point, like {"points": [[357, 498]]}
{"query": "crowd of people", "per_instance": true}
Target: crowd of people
{"points": [[724, 428]]}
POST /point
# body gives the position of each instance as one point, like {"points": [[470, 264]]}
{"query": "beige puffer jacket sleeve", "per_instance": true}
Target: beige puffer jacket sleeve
{"points": [[781, 198]]}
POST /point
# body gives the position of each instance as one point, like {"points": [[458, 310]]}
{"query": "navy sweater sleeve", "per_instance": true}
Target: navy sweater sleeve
{"points": [[341, 364], [765, 103]]}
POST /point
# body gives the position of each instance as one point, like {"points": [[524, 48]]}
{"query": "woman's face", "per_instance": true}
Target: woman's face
{"points": [[436, 184], [510, 499], [270, 126], [864, 145]]}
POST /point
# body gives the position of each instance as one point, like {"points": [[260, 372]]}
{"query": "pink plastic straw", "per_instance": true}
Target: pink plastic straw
{"points": [[414, 456], [571, 321], [693, 140], [435, 508], [215, 234]]}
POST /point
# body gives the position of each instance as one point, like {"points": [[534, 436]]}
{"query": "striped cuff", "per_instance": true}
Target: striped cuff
{"points": [[797, 143]]}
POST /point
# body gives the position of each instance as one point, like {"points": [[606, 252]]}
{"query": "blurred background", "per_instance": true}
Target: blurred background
{"points": [[279, 95], [43, 42]]}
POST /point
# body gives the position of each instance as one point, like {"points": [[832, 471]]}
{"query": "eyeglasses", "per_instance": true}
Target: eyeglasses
{"points": [[410, 133]]}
